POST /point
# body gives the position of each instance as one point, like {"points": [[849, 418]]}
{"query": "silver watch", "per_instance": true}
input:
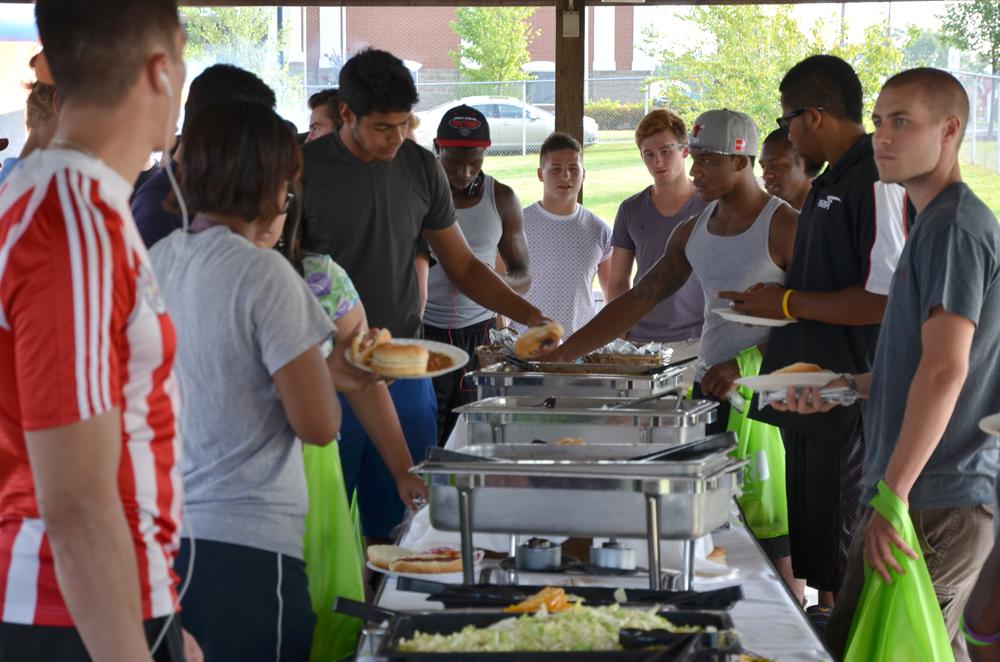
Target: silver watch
{"points": [[852, 383]]}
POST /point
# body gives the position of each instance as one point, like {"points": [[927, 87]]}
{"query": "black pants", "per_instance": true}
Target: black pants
{"points": [[454, 389], [824, 493], [232, 608], [31, 643]]}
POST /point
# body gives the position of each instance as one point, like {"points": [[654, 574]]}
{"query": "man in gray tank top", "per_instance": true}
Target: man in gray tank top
{"points": [[744, 236], [489, 215]]}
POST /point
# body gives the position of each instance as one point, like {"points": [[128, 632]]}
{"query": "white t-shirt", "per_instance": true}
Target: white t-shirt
{"points": [[564, 252]]}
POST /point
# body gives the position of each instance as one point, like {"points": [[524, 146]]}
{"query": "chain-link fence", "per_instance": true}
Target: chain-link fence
{"points": [[983, 132], [521, 113]]}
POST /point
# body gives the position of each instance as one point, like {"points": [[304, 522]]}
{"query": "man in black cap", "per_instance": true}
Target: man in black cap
{"points": [[489, 214]]}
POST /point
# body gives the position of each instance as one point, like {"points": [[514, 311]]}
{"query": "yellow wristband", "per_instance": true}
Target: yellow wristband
{"points": [[784, 304]]}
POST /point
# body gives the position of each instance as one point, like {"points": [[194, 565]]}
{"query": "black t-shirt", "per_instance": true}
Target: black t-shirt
{"points": [[850, 233], [368, 218]]}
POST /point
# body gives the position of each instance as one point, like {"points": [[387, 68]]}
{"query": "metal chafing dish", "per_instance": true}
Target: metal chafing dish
{"points": [[526, 419], [541, 489], [588, 379]]}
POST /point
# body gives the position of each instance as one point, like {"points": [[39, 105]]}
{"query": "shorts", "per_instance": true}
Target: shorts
{"points": [[46, 642], [456, 389], [824, 493], [378, 500], [954, 543], [231, 606]]}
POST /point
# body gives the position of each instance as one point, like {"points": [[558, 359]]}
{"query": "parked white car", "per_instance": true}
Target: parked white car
{"points": [[511, 123]]}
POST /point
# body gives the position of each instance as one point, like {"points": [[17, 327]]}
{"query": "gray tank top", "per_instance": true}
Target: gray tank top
{"points": [[731, 263], [447, 308]]}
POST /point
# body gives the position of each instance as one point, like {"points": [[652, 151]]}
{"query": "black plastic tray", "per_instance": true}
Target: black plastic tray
{"points": [[403, 625]]}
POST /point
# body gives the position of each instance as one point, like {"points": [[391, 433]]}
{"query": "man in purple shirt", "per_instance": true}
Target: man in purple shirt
{"points": [[645, 221]]}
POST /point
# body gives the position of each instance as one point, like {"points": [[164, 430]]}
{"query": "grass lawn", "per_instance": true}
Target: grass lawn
{"points": [[614, 172]]}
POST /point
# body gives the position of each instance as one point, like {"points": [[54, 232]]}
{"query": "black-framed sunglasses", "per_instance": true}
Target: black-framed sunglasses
{"points": [[785, 120], [289, 198]]}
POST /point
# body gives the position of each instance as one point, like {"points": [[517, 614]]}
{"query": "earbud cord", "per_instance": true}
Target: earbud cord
{"points": [[168, 134]]}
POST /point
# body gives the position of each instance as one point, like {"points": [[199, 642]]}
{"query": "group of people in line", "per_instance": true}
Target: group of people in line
{"points": [[176, 336]]}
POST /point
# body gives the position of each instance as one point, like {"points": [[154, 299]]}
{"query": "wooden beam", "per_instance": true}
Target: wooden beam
{"points": [[570, 67]]}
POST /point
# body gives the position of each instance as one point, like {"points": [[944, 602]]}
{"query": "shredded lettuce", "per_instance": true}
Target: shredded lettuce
{"points": [[577, 629]]}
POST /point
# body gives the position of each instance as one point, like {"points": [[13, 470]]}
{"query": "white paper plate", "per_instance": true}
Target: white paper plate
{"points": [[991, 425], [764, 383], [458, 356], [749, 320]]}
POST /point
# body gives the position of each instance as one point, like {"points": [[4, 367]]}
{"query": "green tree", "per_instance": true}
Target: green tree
{"points": [[924, 48], [974, 25], [493, 42], [247, 38], [745, 54]]}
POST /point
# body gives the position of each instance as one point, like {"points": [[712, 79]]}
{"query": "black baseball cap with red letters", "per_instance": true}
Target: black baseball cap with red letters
{"points": [[463, 126]]}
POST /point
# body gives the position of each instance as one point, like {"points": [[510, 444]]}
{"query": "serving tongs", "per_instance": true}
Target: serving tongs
{"points": [[663, 368], [631, 404], [527, 366], [688, 451], [435, 454]]}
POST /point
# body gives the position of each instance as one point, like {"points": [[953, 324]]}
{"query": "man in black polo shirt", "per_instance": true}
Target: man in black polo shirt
{"points": [[369, 195], [849, 238]]}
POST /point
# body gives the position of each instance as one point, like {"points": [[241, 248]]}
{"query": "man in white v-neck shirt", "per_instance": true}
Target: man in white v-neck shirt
{"points": [[567, 244]]}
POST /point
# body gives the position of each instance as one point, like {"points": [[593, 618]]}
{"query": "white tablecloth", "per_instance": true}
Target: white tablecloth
{"points": [[769, 622]]}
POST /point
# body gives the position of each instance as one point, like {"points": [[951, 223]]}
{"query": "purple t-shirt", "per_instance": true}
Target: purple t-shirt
{"points": [[642, 229]]}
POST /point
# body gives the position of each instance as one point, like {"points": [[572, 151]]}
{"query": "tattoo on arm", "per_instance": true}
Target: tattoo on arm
{"points": [[670, 272]]}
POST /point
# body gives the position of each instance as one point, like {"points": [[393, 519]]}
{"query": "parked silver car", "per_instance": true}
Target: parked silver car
{"points": [[512, 122]]}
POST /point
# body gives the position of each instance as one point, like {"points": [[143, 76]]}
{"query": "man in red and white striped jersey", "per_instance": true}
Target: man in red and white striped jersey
{"points": [[90, 492]]}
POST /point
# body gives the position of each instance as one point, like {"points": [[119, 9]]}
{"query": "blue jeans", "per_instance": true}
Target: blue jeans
{"points": [[378, 500]]}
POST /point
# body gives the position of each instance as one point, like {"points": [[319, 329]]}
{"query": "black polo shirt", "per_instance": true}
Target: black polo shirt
{"points": [[369, 218], [850, 232]]}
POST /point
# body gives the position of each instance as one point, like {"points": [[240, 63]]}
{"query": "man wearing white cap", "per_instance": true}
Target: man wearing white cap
{"points": [[751, 231]]}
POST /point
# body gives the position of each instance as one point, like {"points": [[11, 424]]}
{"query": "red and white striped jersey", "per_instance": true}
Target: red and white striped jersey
{"points": [[83, 330]]}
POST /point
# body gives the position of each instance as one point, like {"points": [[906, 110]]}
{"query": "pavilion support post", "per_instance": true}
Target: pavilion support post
{"points": [[570, 67]]}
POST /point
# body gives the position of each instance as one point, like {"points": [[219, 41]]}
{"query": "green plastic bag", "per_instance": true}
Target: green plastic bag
{"points": [[764, 502], [902, 620], [333, 554]]}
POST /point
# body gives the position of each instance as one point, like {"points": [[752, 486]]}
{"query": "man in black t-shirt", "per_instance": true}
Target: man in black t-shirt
{"points": [[369, 195], [849, 238]]}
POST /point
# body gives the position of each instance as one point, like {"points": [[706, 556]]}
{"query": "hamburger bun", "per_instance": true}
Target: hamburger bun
{"points": [[363, 343], [536, 338], [798, 367], [394, 360]]}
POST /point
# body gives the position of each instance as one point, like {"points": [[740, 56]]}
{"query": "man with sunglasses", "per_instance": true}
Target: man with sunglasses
{"points": [[849, 238]]}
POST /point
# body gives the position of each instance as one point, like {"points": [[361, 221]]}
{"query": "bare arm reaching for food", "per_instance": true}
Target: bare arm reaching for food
{"points": [[665, 277]]}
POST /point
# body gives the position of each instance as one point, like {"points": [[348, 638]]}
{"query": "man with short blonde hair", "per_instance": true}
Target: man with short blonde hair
{"points": [[645, 221]]}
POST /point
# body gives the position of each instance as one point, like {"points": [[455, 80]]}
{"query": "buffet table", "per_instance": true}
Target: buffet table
{"points": [[768, 621]]}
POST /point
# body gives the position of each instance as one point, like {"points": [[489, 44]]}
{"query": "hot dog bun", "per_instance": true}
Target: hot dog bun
{"points": [[798, 367], [382, 556], [400, 559], [532, 341]]}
